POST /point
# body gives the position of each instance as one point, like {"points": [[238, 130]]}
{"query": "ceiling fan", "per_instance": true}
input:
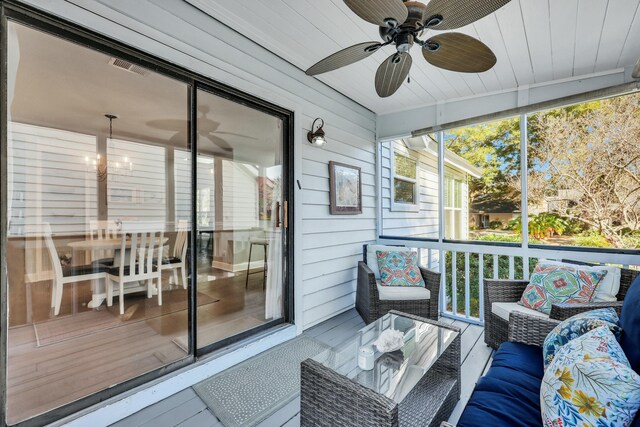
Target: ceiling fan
{"points": [[402, 24], [207, 131]]}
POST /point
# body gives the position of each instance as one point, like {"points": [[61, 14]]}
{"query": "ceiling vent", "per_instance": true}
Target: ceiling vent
{"points": [[128, 66]]}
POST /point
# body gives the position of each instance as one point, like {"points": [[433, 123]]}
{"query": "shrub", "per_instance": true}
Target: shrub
{"points": [[495, 225], [507, 238], [474, 269], [632, 241], [575, 226], [592, 239]]}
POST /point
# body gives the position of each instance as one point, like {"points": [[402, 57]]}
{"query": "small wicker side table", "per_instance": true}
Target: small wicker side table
{"points": [[418, 385]]}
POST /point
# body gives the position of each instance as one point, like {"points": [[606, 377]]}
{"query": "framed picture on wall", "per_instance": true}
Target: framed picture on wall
{"points": [[345, 189]]}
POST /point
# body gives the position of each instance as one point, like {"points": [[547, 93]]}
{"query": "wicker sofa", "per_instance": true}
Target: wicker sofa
{"points": [[371, 307], [497, 329], [509, 393]]}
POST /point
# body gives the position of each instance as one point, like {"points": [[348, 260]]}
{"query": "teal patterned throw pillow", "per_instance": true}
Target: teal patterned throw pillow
{"points": [[552, 283], [579, 325], [399, 268], [590, 383]]}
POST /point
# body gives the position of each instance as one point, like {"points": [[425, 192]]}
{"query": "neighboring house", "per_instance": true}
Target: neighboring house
{"points": [[410, 190], [484, 212]]}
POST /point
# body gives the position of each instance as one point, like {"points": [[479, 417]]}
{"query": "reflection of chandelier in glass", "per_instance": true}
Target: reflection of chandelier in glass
{"points": [[99, 167], [102, 167]]}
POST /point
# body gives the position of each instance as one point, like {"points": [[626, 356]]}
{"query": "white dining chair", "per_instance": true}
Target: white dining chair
{"points": [[68, 274], [102, 230], [140, 246], [177, 260]]}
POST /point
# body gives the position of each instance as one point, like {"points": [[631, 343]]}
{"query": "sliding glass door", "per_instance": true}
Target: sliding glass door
{"points": [[143, 215], [240, 213]]}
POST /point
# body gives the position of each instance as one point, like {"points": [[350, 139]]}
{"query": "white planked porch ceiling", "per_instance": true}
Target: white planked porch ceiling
{"points": [[535, 41]]}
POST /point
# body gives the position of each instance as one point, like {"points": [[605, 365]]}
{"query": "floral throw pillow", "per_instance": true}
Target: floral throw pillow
{"points": [[577, 326], [399, 268], [590, 383], [557, 284]]}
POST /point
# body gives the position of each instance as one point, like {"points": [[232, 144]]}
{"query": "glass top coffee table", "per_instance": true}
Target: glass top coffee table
{"points": [[419, 384]]}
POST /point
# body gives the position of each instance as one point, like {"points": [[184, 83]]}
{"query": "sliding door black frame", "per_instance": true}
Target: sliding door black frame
{"points": [[13, 11], [287, 195]]}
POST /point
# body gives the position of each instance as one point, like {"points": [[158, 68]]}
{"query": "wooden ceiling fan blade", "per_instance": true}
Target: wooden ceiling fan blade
{"points": [[224, 145], [379, 12], [458, 52], [392, 73], [344, 57], [450, 14], [179, 139], [168, 124]]}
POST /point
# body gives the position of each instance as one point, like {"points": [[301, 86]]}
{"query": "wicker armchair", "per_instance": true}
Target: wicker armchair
{"points": [[371, 308], [497, 330]]}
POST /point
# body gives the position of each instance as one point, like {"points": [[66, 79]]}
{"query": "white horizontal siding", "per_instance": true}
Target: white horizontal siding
{"points": [[424, 222], [182, 177], [49, 180], [332, 244], [146, 182]]}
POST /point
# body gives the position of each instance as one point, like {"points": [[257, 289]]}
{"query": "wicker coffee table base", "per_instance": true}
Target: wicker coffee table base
{"points": [[328, 399]]}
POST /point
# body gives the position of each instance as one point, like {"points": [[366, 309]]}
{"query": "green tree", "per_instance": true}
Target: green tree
{"points": [[585, 165], [495, 148]]}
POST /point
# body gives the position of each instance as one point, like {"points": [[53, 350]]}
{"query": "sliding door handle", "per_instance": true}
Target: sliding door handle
{"points": [[277, 214], [285, 214]]}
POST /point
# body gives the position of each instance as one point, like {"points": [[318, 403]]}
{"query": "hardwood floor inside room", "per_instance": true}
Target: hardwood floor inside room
{"points": [[54, 360]]}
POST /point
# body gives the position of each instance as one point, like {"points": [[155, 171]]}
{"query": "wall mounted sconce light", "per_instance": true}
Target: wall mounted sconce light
{"points": [[316, 137]]}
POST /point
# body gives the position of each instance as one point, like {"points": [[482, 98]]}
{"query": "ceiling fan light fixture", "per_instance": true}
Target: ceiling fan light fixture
{"points": [[391, 23], [432, 46], [433, 21], [317, 137]]}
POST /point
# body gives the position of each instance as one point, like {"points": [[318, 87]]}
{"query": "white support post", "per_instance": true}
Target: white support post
{"points": [[524, 196], [467, 295], [454, 285], [442, 268], [440, 139], [481, 285], [511, 267], [379, 189], [443, 260]]}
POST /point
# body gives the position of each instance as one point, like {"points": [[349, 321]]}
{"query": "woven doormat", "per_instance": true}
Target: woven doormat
{"points": [[253, 390]]}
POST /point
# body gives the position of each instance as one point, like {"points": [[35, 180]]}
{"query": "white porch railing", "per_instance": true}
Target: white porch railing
{"points": [[463, 264]]}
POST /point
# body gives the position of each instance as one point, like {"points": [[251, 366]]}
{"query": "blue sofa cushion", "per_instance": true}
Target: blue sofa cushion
{"points": [[499, 402], [523, 358], [510, 392], [630, 323]]}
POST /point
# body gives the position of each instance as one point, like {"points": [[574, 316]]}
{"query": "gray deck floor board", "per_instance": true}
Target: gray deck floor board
{"points": [[186, 409]]}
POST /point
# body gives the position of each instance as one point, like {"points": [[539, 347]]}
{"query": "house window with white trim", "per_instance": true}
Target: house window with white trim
{"points": [[454, 224], [405, 183]]}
